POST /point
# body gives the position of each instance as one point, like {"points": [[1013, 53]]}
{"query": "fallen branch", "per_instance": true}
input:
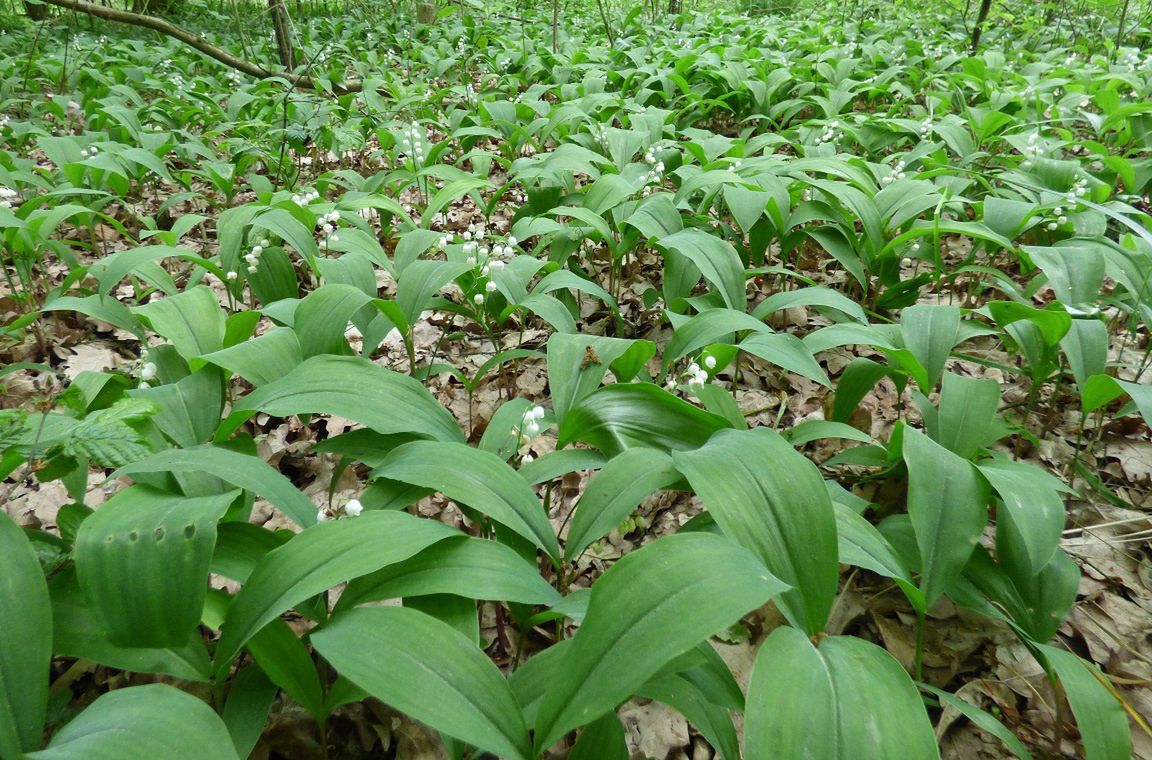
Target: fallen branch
{"points": [[197, 42]]}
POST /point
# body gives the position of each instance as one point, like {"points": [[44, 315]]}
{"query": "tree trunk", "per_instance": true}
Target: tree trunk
{"points": [[35, 11], [197, 42], [283, 35], [981, 17], [426, 13]]}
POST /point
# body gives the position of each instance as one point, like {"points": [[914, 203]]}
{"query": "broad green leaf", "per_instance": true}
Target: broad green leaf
{"points": [[478, 479], [854, 383], [430, 671], [285, 659], [772, 500], [711, 326], [192, 321], [577, 365], [947, 501], [79, 631], [25, 642], [452, 191], [250, 698], [656, 217], [187, 411], [862, 545], [966, 420], [625, 415], [561, 462], [1103, 389], [787, 352], [262, 359], [101, 307], [820, 297], [602, 739], [1075, 270], [317, 559], [843, 700], [241, 470], [985, 720], [1100, 715], [716, 259], [144, 533], [1033, 504], [614, 492], [746, 205], [420, 281], [713, 721], [142, 723], [321, 318], [475, 568], [649, 607], [291, 230], [353, 388], [1086, 348], [930, 332]]}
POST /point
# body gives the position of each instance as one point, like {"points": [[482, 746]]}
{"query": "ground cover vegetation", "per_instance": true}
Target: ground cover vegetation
{"points": [[581, 382]]}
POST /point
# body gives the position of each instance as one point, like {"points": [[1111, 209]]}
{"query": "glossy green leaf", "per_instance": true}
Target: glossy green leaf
{"points": [[476, 568], [947, 501], [250, 698], [353, 388], [966, 420], [142, 723], [647, 608], [78, 630], [1100, 715], [930, 332], [241, 470], [427, 669], [843, 700], [716, 259], [711, 326], [772, 500], [577, 365], [478, 479], [192, 321], [318, 559], [1032, 503], [25, 642], [621, 416], [262, 359], [144, 533], [602, 739], [614, 492], [787, 352]]}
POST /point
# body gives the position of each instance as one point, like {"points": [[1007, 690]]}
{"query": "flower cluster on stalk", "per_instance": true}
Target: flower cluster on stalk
{"points": [[831, 133], [146, 370], [352, 509], [487, 255], [655, 175], [252, 258], [304, 197], [694, 376], [329, 224], [529, 426], [413, 143], [897, 173], [8, 196], [1032, 150]]}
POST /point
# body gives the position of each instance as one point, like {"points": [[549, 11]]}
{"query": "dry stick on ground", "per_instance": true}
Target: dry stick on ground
{"points": [[198, 43]]}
